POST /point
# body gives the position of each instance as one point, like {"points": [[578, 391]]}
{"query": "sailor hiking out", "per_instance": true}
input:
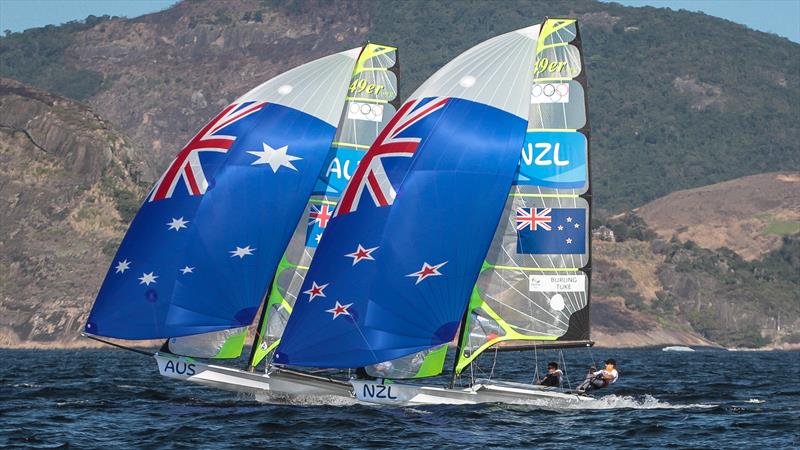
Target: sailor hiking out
{"points": [[600, 378]]}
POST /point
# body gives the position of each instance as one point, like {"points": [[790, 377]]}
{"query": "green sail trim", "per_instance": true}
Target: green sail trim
{"points": [[275, 299], [466, 356], [232, 348], [433, 363]]}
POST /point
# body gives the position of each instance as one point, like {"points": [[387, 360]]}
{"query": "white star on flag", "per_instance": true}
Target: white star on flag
{"points": [[427, 271], [187, 269], [122, 266], [569, 240], [361, 253], [147, 278], [177, 224], [569, 219], [241, 252], [316, 290], [318, 237], [275, 158], [561, 228], [577, 225], [339, 310]]}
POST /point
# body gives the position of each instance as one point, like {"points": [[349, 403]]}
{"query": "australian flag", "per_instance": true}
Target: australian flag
{"points": [[543, 231]]}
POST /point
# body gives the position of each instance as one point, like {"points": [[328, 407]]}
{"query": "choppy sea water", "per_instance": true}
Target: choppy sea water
{"points": [[116, 399]]}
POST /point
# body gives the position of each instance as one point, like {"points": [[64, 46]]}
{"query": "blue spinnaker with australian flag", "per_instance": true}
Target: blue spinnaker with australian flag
{"points": [[394, 269], [201, 251]]}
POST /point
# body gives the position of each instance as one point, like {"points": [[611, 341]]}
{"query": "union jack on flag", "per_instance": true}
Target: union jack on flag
{"points": [[371, 174], [187, 167], [533, 218], [320, 215]]}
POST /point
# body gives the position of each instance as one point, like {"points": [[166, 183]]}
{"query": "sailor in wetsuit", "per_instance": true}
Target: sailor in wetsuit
{"points": [[553, 377], [601, 378]]}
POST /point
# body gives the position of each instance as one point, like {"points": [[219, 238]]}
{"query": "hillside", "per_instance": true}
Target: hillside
{"points": [[68, 187], [749, 215], [682, 106], [677, 99]]}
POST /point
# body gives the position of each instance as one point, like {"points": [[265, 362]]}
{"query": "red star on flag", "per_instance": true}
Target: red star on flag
{"points": [[315, 291], [427, 271], [339, 310], [361, 253]]}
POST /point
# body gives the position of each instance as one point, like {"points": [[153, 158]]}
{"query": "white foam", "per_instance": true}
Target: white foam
{"points": [[755, 400], [305, 400], [613, 402]]}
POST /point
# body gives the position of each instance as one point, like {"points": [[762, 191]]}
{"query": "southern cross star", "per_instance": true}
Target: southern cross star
{"points": [[122, 266], [316, 290], [147, 278], [339, 310], [241, 252], [186, 270], [177, 224], [361, 254], [427, 271], [275, 158]]}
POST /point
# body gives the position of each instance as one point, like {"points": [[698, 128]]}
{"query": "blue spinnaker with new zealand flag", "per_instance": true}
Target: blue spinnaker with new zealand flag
{"points": [[393, 284], [200, 253]]}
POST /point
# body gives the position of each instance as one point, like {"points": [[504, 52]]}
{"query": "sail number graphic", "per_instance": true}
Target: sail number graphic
{"points": [[540, 156]]}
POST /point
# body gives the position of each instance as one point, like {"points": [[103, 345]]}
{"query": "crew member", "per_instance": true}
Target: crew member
{"points": [[553, 377], [601, 378]]}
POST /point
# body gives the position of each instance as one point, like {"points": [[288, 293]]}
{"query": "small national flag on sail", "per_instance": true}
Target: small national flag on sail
{"points": [[318, 218], [551, 230]]}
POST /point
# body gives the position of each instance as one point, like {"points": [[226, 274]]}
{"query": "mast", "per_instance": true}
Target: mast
{"points": [[257, 338], [464, 324]]}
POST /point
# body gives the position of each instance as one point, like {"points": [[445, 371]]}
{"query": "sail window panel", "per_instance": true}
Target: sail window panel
{"points": [[559, 105], [223, 344], [482, 329], [426, 363]]}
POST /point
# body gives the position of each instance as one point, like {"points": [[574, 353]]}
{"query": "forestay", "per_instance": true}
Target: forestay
{"points": [[202, 249], [534, 284], [405, 246]]}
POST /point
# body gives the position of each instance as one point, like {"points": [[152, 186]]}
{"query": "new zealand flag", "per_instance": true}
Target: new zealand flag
{"points": [[543, 231]]}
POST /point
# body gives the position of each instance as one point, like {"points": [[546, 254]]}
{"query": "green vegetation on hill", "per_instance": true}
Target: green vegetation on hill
{"points": [[677, 99], [36, 57]]}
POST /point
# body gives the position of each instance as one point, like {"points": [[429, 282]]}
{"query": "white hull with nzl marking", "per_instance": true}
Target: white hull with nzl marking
{"points": [[484, 391], [280, 382]]}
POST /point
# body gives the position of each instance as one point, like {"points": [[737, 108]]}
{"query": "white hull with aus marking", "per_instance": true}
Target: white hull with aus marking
{"points": [[485, 391], [278, 383]]}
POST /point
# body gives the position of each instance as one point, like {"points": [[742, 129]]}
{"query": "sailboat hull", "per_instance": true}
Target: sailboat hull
{"points": [[400, 394], [292, 386], [283, 383]]}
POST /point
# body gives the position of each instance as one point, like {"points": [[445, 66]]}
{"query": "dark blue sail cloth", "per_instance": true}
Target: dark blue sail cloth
{"points": [[199, 254], [392, 275]]}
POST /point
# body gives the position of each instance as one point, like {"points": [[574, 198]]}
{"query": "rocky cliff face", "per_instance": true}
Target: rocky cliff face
{"points": [[68, 186]]}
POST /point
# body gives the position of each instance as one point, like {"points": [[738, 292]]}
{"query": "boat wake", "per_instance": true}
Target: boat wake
{"points": [[646, 401], [304, 400]]}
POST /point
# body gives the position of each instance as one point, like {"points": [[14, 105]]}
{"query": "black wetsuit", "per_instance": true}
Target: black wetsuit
{"points": [[552, 379]]}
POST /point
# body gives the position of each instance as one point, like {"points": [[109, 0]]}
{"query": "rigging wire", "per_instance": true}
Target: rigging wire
{"points": [[564, 365]]}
